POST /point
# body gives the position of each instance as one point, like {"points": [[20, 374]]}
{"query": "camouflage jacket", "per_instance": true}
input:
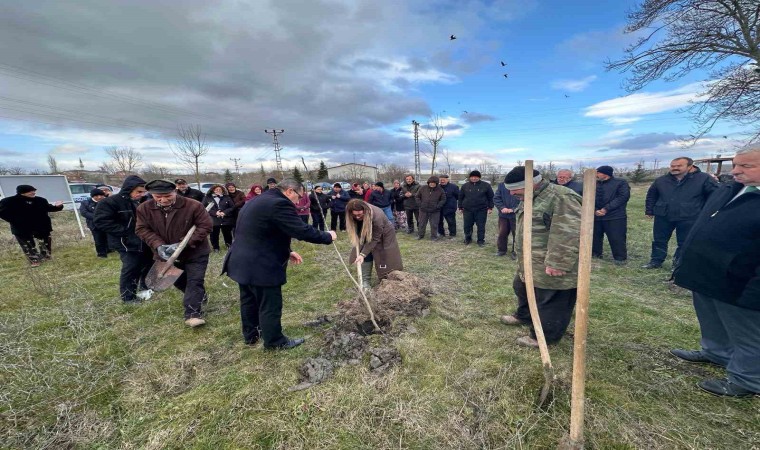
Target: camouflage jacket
{"points": [[556, 236]]}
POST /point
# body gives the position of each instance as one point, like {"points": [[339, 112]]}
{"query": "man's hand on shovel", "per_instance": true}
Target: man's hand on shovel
{"points": [[166, 251]]}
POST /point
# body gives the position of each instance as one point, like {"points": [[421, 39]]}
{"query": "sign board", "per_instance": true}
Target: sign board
{"points": [[51, 187]]}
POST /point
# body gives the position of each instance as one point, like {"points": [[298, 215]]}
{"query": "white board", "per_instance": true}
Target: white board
{"points": [[52, 188]]}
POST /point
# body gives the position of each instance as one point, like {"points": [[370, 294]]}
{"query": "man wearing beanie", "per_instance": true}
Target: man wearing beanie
{"points": [[475, 203], [431, 199], [610, 218], [87, 210], [29, 219], [117, 216], [271, 184], [556, 228], [506, 204]]}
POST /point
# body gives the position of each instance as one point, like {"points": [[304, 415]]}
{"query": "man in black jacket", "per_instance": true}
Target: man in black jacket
{"points": [[320, 203], [612, 195], [674, 201], [259, 257], [29, 219], [117, 216], [409, 200], [87, 210], [186, 191], [475, 203], [565, 178], [720, 264], [449, 210]]}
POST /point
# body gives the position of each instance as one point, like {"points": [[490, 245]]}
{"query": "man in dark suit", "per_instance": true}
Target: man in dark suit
{"points": [[259, 256]]}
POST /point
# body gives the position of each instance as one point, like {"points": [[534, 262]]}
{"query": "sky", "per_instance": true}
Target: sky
{"points": [[343, 78]]}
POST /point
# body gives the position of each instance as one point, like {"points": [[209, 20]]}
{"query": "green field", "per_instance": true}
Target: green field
{"points": [[80, 370]]}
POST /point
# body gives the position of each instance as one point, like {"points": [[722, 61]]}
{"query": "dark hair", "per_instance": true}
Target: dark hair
{"points": [[689, 161], [289, 183]]}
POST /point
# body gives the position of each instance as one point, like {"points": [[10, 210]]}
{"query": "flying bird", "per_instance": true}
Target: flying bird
{"points": [[503, 64], [567, 96], [725, 137], [506, 75], [465, 112], [452, 37]]}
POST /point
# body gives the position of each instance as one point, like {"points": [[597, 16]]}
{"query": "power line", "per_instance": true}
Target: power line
{"points": [[237, 167], [274, 134], [416, 149]]}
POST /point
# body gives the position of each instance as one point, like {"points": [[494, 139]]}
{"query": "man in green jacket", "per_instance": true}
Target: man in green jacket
{"points": [[556, 236]]}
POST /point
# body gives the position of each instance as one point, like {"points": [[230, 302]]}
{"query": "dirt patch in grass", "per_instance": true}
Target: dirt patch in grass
{"points": [[396, 302]]}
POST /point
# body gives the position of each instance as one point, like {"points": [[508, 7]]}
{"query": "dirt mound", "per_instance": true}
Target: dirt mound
{"points": [[396, 301]]}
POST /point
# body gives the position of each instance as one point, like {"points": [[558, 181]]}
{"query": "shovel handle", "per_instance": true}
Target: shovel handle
{"points": [[180, 247]]}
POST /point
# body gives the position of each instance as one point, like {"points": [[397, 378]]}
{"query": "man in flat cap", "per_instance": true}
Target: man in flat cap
{"points": [[29, 219], [610, 218], [556, 228], [162, 223], [186, 191], [475, 203]]}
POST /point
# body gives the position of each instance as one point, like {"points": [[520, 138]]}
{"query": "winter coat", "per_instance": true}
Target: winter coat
{"points": [[679, 200], [612, 195], [319, 202], [383, 246], [87, 210], [410, 202], [252, 192], [28, 216], [721, 256], [368, 194], [338, 201], [238, 199], [504, 199], [259, 254], [397, 199], [226, 205], [452, 196], [476, 196], [577, 186], [429, 199], [556, 236], [195, 194], [156, 227], [117, 216], [381, 199], [303, 207]]}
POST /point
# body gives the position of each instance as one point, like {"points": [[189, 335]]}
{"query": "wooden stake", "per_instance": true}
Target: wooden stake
{"points": [[529, 286], [578, 400]]}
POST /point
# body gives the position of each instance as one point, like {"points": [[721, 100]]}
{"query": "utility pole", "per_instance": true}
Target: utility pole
{"points": [[276, 143], [416, 149], [237, 167]]}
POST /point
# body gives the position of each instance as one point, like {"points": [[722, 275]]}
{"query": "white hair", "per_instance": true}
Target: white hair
{"points": [[749, 149], [566, 170]]}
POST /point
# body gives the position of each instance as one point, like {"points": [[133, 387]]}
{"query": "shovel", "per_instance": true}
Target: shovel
{"points": [[163, 274]]}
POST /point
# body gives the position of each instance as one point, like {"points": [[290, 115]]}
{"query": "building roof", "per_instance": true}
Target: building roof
{"points": [[351, 164]]}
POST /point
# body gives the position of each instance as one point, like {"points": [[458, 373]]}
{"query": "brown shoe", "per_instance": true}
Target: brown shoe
{"points": [[527, 341], [195, 322], [511, 320]]}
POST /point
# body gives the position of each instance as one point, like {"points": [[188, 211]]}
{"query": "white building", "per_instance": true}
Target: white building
{"points": [[352, 172]]}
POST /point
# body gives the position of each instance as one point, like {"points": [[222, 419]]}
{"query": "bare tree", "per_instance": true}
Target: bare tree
{"points": [[190, 147], [390, 172], [3, 170], [433, 132], [154, 171], [16, 170], [124, 159], [52, 163], [446, 159], [721, 36], [356, 172]]}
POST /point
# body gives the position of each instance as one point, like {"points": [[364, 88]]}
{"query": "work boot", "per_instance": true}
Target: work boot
{"points": [[195, 322], [651, 265], [509, 319], [501, 253], [513, 256], [527, 341], [290, 343]]}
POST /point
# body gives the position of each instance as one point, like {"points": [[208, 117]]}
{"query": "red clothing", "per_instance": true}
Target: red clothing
{"points": [[252, 192]]}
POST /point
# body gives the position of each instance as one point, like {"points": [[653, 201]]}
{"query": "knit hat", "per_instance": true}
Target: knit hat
{"points": [[515, 179], [380, 184], [338, 185], [607, 170], [474, 173], [433, 179], [24, 188], [96, 192], [160, 187], [271, 180]]}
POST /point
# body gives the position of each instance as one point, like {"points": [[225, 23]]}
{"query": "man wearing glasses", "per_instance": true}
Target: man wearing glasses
{"points": [[259, 257]]}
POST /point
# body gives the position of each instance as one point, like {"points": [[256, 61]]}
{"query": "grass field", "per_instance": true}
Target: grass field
{"points": [[80, 370]]}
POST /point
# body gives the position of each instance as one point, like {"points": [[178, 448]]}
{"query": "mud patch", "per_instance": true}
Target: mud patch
{"points": [[396, 302]]}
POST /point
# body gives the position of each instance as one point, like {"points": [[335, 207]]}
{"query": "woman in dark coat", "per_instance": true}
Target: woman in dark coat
{"points": [[397, 205], [238, 198], [373, 239], [222, 214]]}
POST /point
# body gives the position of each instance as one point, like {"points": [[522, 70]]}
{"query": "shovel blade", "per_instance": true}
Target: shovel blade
{"points": [[162, 276]]}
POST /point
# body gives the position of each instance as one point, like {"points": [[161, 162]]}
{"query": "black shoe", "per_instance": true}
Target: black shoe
{"points": [[597, 256], [651, 265], [620, 262], [481, 244], [692, 356], [410, 231], [501, 253], [724, 388], [513, 256], [252, 342], [419, 238], [291, 343], [467, 241], [434, 238]]}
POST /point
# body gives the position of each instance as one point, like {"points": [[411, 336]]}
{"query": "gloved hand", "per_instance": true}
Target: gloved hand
{"points": [[165, 251]]}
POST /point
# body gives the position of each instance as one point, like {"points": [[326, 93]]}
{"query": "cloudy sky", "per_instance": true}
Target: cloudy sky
{"points": [[343, 78]]}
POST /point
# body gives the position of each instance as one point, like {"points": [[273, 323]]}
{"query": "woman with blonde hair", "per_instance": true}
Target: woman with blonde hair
{"points": [[373, 239]]}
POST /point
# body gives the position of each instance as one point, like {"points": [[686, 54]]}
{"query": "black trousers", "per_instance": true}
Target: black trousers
{"points": [[661, 233], [616, 230], [226, 232], [261, 313], [433, 218], [191, 285], [475, 217], [451, 221], [318, 221], [304, 218], [412, 215], [555, 308], [28, 243], [101, 242], [134, 267], [335, 217], [507, 226]]}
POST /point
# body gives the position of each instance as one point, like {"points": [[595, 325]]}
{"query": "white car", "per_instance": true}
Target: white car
{"points": [[81, 191], [205, 186]]}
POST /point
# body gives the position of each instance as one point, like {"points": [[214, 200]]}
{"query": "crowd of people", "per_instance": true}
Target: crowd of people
{"points": [[717, 228]]}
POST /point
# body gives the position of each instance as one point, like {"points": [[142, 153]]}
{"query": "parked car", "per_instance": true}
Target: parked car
{"points": [[81, 191], [205, 186]]}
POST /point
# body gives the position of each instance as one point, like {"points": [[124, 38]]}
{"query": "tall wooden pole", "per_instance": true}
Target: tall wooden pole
{"points": [[578, 399]]}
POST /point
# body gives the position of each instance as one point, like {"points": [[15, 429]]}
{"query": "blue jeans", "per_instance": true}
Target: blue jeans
{"points": [[389, 214], [731, 338]]}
